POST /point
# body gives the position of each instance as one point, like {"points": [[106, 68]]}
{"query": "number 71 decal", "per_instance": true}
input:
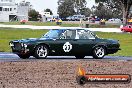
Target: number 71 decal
{"points": [[67, 47]]}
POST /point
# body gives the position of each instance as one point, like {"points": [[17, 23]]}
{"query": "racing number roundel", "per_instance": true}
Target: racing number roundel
{"points": [[67, 47]]}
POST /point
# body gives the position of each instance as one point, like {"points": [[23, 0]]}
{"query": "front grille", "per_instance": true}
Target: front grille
{"points": [[17, 46]]}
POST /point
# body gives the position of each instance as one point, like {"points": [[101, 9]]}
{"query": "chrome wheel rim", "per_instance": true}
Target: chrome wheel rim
{"points": [[42, 51], [100, 52]]}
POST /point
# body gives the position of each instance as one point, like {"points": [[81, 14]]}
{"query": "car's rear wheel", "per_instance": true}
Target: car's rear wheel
{"points": [[79, 56], [99, 52], [23, 56], [41, 52]]}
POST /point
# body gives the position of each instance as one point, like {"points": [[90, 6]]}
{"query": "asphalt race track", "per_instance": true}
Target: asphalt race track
{"points": [[4, 56]]}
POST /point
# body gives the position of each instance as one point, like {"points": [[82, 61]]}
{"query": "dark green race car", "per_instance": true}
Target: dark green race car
{"points": [[65, 42]]}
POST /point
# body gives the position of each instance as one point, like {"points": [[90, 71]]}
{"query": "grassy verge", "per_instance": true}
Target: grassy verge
{"points": [[41, 24], [6, 35], [125, 40], [104, 26], [64, 24]]}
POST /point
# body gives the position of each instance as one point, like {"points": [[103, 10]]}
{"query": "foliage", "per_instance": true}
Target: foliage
{"points": [[103, 12], [33, 15], [48, 10], [66, 9], [79, 4], [85, 11], [122, 5], [70, 7]]}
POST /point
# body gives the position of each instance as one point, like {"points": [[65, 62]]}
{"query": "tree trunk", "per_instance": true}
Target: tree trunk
{"points": [[124, 16], [126, 9]]}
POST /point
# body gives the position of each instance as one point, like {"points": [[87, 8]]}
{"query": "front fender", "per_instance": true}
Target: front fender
{"points": [[100, 44]]}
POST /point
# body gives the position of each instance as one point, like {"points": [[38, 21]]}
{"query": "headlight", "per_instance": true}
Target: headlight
{"points": [[11, 44]]}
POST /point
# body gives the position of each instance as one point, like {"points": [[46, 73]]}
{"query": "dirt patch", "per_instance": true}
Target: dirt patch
{"points": [[59, 73]]}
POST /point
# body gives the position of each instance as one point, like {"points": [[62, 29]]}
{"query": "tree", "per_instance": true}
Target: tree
{"points": [[102, 12], [121, 4], [85, 11], [77, 4], [33, 15], [66, 8], [105, 10], [48, 10]]}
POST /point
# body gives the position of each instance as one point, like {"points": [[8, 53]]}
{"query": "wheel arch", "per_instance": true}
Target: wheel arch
{"points": [[35, 54]]}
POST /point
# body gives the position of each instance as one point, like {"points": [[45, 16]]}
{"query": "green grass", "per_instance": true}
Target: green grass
{"points": [[64, 24], [41, 24], [125, 40], [104, 26], [8, 34]]}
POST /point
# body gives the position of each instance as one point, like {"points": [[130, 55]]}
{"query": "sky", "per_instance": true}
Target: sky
{"points": [[40, 5]]}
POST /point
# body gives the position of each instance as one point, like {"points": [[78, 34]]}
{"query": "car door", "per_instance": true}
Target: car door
{"points": [[66, 44], [86, 40]]}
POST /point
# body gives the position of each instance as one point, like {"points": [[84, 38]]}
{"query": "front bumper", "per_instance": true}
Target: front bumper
{"points": [[19, 48], [20, 51], [113, 50]]}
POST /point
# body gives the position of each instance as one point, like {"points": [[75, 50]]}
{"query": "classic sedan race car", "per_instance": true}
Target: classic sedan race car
{"points": [[127, 28], [65, 42]]}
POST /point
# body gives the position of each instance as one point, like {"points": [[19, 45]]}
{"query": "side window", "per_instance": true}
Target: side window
{"points": [[69, 34], [84, 34]]}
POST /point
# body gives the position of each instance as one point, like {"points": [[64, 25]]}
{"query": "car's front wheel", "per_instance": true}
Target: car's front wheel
{"points": [[99, 52], [41, 52], [23, 56]]}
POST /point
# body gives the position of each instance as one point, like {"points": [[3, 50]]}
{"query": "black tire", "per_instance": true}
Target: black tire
{"points": [[23, 56], [99, 52], [79, 56], [41, 52]]}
